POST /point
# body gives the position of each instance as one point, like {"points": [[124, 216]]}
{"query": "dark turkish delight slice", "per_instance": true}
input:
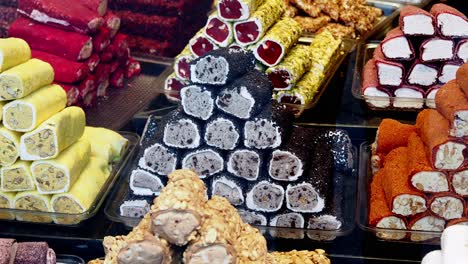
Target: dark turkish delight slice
{"points": [[304, 198], [291, 220], [265, 197], [245, 164], [204, 162], [159, 159], [228, 189], [198, 101], [135, 208], [252, 218], [181, 131], [222, 133], [144, 183]]}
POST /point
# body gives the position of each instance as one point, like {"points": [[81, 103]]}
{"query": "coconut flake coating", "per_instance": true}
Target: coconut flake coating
{"points": [[204, 162], [245, 164], [265, 197], [159, 159], [222, 133]]}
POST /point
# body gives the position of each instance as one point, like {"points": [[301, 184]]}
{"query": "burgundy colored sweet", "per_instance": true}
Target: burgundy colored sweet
{"points": [[218, 31], [270, 52], [99, 6], [66, 71], [201, 45]]}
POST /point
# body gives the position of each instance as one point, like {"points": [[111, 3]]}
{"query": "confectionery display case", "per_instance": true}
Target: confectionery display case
{"points": [[233, 131]]}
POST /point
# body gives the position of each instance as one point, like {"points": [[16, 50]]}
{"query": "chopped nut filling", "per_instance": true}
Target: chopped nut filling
{"points": [[41, 144], [391, 222], [49, 178], [450, 156], [16, 179], [19, 117], [430, 181], [427, 223], [67, 205], [8, 151], [10, 87], [407, 204], [460, 182], [447, 207], [4, 203]]}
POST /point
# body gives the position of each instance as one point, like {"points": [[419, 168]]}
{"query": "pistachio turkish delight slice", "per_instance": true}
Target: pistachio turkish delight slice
{"points": [[9, 146], [17, 177], [105, 143], [182, 64], [32, 201]]}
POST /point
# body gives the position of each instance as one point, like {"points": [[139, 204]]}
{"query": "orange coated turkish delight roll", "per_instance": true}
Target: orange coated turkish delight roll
{"points": [[444, 153], [401, 198], [422, 176], [452, 103], [462, 78]]}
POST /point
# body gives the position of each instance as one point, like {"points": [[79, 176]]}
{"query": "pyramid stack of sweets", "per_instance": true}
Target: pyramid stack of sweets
{"points": [[296, 70], [243, 145], [81, 42], [206, 231], [420, 177], [160, 27], [49, 160], [416, 58]]}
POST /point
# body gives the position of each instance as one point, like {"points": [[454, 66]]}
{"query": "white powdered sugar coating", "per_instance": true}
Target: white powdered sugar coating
{"points": [[422, 75], [397, 48], [452, 25], [205, 76], [197, 102], [185, 135], [437, 49], [418, 25], [159, 155]]}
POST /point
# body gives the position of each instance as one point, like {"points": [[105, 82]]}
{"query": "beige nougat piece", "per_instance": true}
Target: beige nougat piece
{"points": [[17, 177], [9, 146]]}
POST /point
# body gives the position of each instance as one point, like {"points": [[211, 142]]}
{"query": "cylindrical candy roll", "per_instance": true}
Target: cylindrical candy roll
{"points": [[396, 46], [293, 223], [431, 94], [182, 63], [373, 94], [324, 46], [26, 114], [9, 146], [222, 132], [112, 22], [204, 161], [245, 164], [461, 51], [34, 252], [53, 135], [135, 207], [73, 93], [24, 79], [200, 45], [459, 181], [285, 75], [219, 31], [69, 45], [58, 175], [181, 131], [228, 188], [144, 183], [425, 222], [462, 78], [253, 29], [32, 201], [422, 74], [422, 176], [252, 246], [173, 85], [82, 194], [17, 177], [102, 139], [117, 79], [237, 10], [178, 206], [13, 51], [92, 62], [453, 105], [101, 40], [409, 96], [448, 71], [443, 152], [271, 49], [99, 6], [437, 49], [265, 196], [445, 17], [401, 197], [198, 101], [386, 139], [159, 159], [7, 202], [305, 90], [389, 73], [415, 21], [447, 205]]}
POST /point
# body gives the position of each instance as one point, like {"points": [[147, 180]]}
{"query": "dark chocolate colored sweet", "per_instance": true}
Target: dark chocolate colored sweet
{"points": [[205, 162], [265, 197], [222, 133]]}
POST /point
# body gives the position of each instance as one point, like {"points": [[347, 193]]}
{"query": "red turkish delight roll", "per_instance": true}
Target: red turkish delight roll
{"points": [[425, 222], [99, 6], [102, 75], [73, 94], [409, 96], [114, 65], [449, 21], [90, 99], [172, 86], [453, 105], [66, 71], [444, 153], [437, 49], [153, 47], [132, 69], [219, 31], [459, 182], [93, 62], [87, 85], [70, 45], [373, 94], [422, 74], [112, 22], [448, 71], [237, 10], [415, 21], [200, 45], [8, 14], [461, 51], [389, 73], [61, 14], [396, 46], [447, 205], [117, 79], [423, 177], [431, 94], [101, 40]]}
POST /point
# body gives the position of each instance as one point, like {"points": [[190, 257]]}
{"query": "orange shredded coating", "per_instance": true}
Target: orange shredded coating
{"points": [[392, 134], [417, 155], [450, 99], [434, 129], [378, 205]]}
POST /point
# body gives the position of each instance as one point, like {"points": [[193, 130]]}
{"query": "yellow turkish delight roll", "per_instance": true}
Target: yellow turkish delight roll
{"points": [[24, 79], [7, 202], [32, 201], [9, 146], [13, 51], [105, 143], [29, 112], [58, 175], [53, 135], [17, 177], [85, 190]]}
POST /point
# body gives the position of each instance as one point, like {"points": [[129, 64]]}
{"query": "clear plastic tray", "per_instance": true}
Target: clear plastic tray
{"points": [[364, 54], [418, 3], [75, 219], [69, 259], [343, 259], [112, 209], [385, 234]]}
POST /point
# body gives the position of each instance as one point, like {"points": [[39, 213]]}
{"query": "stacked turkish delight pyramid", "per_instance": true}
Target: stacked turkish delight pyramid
{"points": [[415, 59], [80, 40], [7, 15], [296, 70], [160, 27], [421, 179], [244, 147]]}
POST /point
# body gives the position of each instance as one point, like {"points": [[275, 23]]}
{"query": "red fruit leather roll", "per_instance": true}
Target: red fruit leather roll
{"points": [[447, 205], [117, 79], [149, 46], [461, 51], [112, 22], [87, 85], [90, 99], [459, 181], [437, 49], [459, 221], [422, 74], [93, 62], [453, 105], [66, 71], [102, 75], [401, 198], [415, 21], [133, 68], [444, 152], [423, 177], [449, 21], [101, 40], [425, 222], [409, 97], [396, 46], [462, 78], [73, 94], [380, 215], [66, 44], [431, 94], [8, 14], [99, 6], [120, 45], [61, 14], [374, 94], [389, 73]]}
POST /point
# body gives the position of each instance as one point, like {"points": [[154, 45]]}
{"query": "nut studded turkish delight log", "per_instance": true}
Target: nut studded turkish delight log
{"points": [[447, 205], [453, 105], [198, 101], [229, 189], [389, 73], [409, 96], [218, 234], [401, 197], [415, 21], [61, 14], [265, 196], [66, 71], [251, 246], [373, 93], [182, 64], [423, 177], [176, 212], [204, 161], [450, 22], [396, 46], [17, 177], [290, 226], [380, 214], [443, 152], [237, 10], [14, 51], [26, 114], [448, 71], [253, 29], [425, 222], [219, 31], [459, 182], [281, 37], [222, 132], [422, 74], [53, 135], [437, 49], [181, 131], [245, 164], [99, 6], [9, 146], [247, 96], [221, 66]]}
